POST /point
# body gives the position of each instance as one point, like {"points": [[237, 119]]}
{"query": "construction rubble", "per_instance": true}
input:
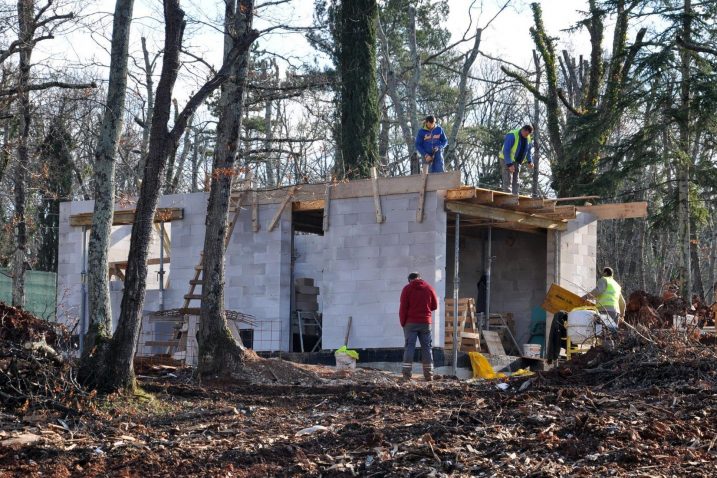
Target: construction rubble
{"points": [[642, 404]]}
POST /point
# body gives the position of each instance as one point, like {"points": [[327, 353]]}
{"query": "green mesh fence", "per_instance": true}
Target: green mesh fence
{"points": [[40, 293]]}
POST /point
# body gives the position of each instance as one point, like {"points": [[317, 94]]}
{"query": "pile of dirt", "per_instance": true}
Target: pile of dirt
{"points": [[34, 372]]}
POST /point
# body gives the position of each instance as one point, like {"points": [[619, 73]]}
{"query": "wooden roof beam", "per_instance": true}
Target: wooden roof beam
{"points": [[126, 217], [505, 215], [617, 211]]}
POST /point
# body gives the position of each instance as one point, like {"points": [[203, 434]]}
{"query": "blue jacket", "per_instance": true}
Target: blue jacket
{"points": [[427, 140], [519, 155]]}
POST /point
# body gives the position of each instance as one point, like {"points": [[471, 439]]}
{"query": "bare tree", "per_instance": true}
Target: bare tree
{"points": [[100, 326], [118, 369], [218, 350]]}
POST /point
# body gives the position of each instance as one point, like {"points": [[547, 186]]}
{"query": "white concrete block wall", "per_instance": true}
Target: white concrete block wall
{"points": [[258, 275], [578, 254], [366, 265]]}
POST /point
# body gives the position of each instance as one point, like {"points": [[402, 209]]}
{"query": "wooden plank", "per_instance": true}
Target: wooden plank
{"points": [[315, 205], [376, 196], [327, 207], [461, 301], [126, 216], [484, 196], [460, 193], [150, 262], [616, 211], [281, 207], [255, 225], [363, 188], [505, 215], [234, 219], [506, 200], [494, 343], [559, 212], [421, 199], [528, 204]]}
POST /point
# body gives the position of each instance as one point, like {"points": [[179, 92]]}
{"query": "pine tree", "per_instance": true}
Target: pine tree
{"points": [[360, 113]]}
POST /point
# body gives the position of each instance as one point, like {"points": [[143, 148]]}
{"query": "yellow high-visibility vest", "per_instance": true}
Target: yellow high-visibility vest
{"points": [[514, 149], [610, 298]]}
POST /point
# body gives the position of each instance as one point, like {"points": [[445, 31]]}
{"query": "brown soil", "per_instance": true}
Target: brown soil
{"points": [[645, 405]]}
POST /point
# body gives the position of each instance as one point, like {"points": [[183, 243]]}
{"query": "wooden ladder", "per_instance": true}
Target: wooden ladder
{"points": [[179, 342]]}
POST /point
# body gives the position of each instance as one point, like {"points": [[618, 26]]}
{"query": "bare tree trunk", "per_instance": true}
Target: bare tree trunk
{"points": [[100, 313], [161, 144], [148, 73], [270, 179], [186, 146], [536, 127], [25, 13], [198, 143], [684, 160], [415, 79], [219, 352], [462, 99], [392, 90]]}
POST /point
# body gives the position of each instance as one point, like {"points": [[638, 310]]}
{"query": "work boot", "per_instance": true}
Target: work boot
{"points": [[428, 374]]}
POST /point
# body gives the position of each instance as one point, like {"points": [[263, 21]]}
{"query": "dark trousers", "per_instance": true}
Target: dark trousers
{"points": [[422, 332]]}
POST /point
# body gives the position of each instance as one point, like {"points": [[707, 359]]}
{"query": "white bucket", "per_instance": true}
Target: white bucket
{"points": [[531, 350], [581, 326], [345, 361]]}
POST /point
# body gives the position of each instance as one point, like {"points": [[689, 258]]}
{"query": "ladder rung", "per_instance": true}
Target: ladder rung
{"points": [[193, 297], [196, 282], [199, 267]]}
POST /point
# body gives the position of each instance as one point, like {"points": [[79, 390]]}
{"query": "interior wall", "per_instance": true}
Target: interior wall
{"points": [[518, 276]]}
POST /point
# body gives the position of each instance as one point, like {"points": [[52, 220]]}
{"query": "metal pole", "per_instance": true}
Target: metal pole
{"points": [[161, 266], [83, 279], [456, 287], [489, 267]]}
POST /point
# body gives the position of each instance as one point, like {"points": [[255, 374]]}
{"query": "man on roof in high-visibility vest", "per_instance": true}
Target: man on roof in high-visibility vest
{"points": [[608, 296], [516, 149]]}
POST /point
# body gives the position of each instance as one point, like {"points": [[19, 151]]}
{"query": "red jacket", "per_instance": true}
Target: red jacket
{"points": [[418, 300]]}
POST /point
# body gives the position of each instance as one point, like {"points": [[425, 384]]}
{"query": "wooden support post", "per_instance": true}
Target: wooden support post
{"points": [[376, 196], [421, 198], [283, 204], [327, 206], [254, 213]]}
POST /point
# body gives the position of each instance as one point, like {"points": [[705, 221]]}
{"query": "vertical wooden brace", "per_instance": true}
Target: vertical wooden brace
{"points": [[376, 196], [283, 204], [421, 198], [254, 213], [327, 206]]}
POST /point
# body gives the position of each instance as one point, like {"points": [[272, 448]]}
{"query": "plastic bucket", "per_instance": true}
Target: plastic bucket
{"points": [[531, 350], [581, 326]]}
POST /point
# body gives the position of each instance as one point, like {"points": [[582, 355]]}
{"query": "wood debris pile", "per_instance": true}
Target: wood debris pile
{"points": [[34, 374]]}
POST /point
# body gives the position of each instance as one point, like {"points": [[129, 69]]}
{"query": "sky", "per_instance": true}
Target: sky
{"points": [[506, 36]]}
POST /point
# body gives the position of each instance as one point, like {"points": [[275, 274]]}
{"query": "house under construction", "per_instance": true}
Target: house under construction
{"points": [[309, 265]]}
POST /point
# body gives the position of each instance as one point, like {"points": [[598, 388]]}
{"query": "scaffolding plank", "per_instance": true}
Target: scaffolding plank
{"points": [[616, 211]]}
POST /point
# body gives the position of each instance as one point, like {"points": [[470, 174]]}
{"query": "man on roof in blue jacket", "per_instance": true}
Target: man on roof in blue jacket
{"points": [[516, 148], [430, 142]]}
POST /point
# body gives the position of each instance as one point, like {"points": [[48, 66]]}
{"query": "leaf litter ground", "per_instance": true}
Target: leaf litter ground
{"points": [[645, 404]]}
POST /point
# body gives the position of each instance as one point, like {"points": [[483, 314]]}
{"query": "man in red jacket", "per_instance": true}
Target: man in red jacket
{"points": [[418, 301]]}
